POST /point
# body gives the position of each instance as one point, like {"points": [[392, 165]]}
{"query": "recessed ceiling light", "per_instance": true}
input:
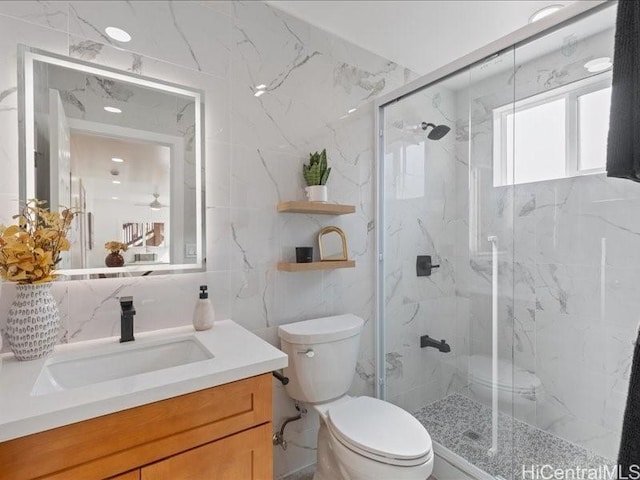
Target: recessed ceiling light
{"points": [[114, 198], [262, 86], [118, 34], [117, 160], [544, 12], [117, 182], [113, 109], [351, 110], [599, 64], [258, 93]]}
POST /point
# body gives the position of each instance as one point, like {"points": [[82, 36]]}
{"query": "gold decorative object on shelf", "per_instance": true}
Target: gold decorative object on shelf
{"points": [[333, 245]]}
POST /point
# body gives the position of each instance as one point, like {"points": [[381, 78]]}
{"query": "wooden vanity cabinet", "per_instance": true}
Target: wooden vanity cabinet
{"points": [[132, 475], [222, 432], [240, 456]]}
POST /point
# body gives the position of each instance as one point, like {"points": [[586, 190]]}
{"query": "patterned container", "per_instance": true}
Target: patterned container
{"points": [[32, 324]]}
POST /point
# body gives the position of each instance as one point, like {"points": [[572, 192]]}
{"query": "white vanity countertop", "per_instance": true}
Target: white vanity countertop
{"points": [[237, 352]]}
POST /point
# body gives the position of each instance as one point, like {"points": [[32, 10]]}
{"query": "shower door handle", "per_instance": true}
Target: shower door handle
{"points": [[494, 345]]}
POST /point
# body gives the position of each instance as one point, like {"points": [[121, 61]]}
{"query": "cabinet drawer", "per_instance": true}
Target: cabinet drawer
{"points": [[109, 445], [243, 456]]}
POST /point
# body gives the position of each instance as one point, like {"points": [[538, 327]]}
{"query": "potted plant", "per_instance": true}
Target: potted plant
{"points": [[29, 252], [115, 259], [316, 175]]}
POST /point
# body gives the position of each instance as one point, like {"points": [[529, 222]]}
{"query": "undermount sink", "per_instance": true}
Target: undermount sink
{"points": [[118, 361]]}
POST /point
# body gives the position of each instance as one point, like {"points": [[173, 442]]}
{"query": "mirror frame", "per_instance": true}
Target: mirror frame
{"points": [[343, 237], [26, 58]]}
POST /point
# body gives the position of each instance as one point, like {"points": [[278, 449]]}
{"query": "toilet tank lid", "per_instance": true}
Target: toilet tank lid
{"points": [[321, 330]]}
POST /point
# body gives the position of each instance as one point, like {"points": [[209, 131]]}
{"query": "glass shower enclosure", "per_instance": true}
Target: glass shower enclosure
{"points": [[505, 285]]}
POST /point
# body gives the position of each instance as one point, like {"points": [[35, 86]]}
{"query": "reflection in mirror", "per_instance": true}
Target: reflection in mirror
{"points": [[124, 150], [333, 244]]}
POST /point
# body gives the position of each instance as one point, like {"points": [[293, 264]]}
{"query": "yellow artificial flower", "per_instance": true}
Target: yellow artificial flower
{"points": [[115, 247], [30, 249]]}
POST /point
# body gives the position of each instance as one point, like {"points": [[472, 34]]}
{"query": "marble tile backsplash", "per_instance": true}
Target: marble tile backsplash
{"points": [[255, 148]]}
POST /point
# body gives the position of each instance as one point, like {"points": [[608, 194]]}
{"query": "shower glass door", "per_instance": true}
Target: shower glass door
{"points": [[576, 250], [509, 259], [486, 272], [449, 328]]}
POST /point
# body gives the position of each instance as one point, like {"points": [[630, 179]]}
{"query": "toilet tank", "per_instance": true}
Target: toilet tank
{"points": [[323, 353]]}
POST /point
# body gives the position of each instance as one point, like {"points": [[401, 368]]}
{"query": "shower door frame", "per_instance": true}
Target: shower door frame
{"points": [[513, 40]]}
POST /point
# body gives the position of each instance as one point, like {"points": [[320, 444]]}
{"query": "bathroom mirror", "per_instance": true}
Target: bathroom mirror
{"points": [[125, 151], [333, 244]]}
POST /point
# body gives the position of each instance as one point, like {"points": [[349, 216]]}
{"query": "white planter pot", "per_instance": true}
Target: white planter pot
{"points": [[32, 323], [317, 193]]}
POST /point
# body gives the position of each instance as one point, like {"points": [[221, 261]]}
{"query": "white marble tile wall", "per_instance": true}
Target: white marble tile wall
{"points": [[255, 148]]}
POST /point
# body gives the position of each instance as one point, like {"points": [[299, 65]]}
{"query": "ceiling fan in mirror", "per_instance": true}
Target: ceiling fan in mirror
{"points": [[155, 204]]}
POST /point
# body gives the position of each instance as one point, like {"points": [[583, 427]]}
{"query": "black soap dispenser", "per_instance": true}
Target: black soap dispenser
{"points": [[203, 315]]}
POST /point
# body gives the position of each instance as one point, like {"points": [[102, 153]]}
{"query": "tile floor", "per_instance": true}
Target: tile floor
{"points": [[304, 474], [464, 427]]}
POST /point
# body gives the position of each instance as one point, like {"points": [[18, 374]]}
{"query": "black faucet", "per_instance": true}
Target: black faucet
{"points": [[427, 341], [127, 311]]}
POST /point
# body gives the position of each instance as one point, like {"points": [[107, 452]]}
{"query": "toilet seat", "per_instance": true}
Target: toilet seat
{"points": [[380, 431], [511, 379]]}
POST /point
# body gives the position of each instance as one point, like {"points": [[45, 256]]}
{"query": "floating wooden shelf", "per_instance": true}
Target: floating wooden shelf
{"points": [[316, 207], [307, 267]]}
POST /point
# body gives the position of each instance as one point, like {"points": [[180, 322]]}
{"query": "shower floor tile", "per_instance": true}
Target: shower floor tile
{"points": [[463, 426]]}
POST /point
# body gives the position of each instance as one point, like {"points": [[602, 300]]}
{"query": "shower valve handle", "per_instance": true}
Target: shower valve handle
{"points": [[424, 265]]}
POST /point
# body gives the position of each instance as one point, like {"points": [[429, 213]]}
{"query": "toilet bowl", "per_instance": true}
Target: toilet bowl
{"points": [[360, 438], [519, 391]]}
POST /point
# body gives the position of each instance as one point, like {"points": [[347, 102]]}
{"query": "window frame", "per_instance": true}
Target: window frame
{"points": [[570, 93]]}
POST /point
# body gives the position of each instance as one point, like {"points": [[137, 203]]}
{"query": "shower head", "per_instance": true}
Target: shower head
{"points": [[437, 132]]}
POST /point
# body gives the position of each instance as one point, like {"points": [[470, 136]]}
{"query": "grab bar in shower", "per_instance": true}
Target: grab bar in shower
{"points": [[494, 345]]}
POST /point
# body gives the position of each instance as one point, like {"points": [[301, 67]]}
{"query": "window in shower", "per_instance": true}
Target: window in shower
{"points": [[559, 133], [406, 164]]}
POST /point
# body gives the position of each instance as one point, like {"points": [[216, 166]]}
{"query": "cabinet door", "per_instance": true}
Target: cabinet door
{"points": [[132, 475], [244, 456]]}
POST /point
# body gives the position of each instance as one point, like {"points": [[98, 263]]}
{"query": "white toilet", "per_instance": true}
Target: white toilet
{"points": [[360, 438]]}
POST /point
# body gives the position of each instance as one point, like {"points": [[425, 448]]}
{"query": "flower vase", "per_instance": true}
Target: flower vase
{"points": [[32, 323], [114, 259]]}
